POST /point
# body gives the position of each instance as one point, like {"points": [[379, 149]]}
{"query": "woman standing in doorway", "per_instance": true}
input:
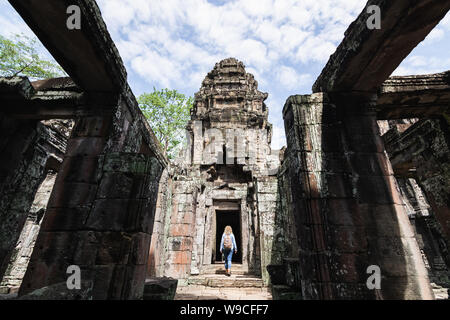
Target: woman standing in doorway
{"points": [[227, 246]]}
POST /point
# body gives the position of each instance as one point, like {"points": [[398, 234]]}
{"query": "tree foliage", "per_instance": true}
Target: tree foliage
{"points": [[168, 112], [20, 57]]}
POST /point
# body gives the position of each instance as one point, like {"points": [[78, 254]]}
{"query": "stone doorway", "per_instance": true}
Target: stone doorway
{"points": [[228, 218]]}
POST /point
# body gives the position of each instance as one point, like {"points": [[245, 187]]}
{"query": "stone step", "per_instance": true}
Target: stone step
{"points": [[440, 293], [236, 269], [223, 281]]}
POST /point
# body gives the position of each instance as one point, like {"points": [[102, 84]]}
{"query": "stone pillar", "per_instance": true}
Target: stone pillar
{"points": [[182, 230], [158, 247], [100, 214], [346, 205], [21, 167], [270, 230], [22, 252]]}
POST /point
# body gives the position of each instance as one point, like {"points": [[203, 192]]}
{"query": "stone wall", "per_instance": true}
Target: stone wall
{"points": [[159, 243], [101, 211], [40, 150], [22, 252], [346, 202], [422, 152], [419, 154]]}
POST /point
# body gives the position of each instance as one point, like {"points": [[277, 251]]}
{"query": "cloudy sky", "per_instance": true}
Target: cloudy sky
{"points": [[284, 43]]}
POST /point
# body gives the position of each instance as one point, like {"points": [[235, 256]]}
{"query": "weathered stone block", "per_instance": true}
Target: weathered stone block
{"points": [[127, 282], [177, 271], [267, 187], [85, 146], [277, 274], [180, 244], [177, 230], [59, 291], [65, 218], [179, 257], [405, 288], [267, 197], [342, 212], [160, 288], [367, 143], [113, 248], [132, 163], [80, 168], [139, 249], [116, 186], [347, 239], [92, 127], [72, 195], [374, 190], [267, 206], [376, 164], [109, 214], [141, 215], [389, 220], [336, 186], [348, 267]]}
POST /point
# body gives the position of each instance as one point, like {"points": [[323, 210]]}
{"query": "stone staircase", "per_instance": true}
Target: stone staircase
{"points": [[214, 284], [237, 269], [214, 276], [222, 281]]}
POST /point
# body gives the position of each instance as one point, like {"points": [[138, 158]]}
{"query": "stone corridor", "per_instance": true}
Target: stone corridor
{"points": [[363, 182]]}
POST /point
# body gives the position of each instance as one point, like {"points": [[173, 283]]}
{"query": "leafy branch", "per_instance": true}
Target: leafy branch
{"points": [[168, 112], [20, 57]]}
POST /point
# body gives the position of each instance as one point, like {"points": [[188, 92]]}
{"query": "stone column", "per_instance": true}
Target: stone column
{"points": [[182, 230], [22, 252], [269, 229], [100, 214], [21, 167], [346, 204]]}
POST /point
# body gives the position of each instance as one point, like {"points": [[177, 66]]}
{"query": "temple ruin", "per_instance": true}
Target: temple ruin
{"points": [[227, 176], [364, 180]]}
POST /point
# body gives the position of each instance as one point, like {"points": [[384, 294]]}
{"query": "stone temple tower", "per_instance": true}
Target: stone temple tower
{"points": [[227, 176], [229, 121]]}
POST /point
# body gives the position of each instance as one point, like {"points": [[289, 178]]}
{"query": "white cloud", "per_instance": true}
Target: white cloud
{"points": [[290, 79], [192, 35], [278, 138], [445, 23], [315, 49], [435, 35], [284, 43], [417, 64], [156, 67], [12, 24], [257, 8]]}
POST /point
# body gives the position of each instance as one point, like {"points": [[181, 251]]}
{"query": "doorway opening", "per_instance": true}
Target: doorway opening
{"points": [[230, 218]]}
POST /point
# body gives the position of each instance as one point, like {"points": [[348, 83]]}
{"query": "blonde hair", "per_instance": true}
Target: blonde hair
{"points": [[228, 230]]}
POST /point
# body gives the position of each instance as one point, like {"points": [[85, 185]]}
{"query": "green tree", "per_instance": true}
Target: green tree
{"points": [[168, 112], [20, 57]]}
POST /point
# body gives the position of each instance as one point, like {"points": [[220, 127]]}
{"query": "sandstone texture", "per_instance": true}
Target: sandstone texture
{"points": [[362, 185]]}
